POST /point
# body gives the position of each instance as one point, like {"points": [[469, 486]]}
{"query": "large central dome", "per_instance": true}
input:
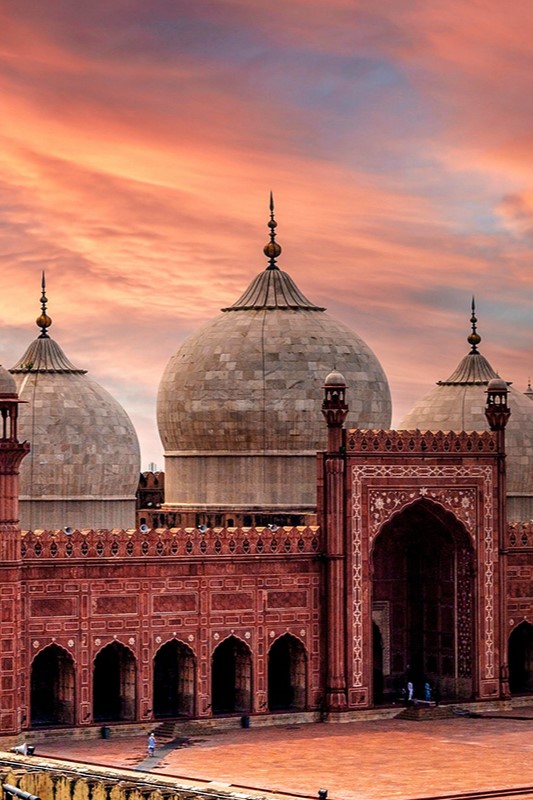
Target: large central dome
{"points": [[239, 402]]}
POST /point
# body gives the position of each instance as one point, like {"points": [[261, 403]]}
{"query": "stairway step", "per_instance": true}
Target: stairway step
{"points": [[420, 713]]}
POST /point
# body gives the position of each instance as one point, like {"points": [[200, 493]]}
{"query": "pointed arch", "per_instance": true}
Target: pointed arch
{"points": [[521, 659], [287, 674], [174, 674], [423, 579], [52, 687], [114, 684], [231, 677]]}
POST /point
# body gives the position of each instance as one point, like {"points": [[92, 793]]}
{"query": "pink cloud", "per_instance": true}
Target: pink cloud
{"points": [[137, 151]]}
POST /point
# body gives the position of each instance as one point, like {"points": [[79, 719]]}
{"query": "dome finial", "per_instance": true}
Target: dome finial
{"points": [[474, 338], [272, 250], [43, 321]]}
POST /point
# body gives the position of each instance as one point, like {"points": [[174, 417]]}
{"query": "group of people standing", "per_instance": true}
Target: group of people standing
{"points": [[429, 693]]}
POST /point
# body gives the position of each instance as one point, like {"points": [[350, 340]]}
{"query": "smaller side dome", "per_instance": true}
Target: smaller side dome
{"points": [[7, 383], [335, 378]]}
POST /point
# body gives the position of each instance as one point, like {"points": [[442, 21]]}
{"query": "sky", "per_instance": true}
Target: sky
{"points": [[139, 142]]}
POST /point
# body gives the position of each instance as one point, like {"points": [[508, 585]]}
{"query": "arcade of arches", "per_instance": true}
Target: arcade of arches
{"points": [[410, 574], [174, 675]]}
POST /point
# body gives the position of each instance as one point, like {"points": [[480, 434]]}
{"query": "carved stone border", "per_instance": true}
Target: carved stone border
{"points": [[456, 499]]}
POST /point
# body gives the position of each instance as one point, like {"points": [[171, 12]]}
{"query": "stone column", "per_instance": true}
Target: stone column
{"points": [[334, 409], [497, 413]]}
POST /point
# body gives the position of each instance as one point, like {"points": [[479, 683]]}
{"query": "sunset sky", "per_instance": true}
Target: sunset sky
{"points": [[139, 142]]}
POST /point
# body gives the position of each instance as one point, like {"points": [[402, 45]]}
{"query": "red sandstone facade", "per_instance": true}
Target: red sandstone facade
{"points": [[412, 574]]}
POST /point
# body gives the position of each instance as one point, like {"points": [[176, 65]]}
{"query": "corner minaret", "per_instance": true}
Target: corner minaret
{"points": [[11, 454], [497, 411], [334, 408]]}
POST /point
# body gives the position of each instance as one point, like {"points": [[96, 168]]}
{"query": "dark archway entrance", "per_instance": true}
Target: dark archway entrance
{"points": [[114, 695], [521, 659], [423, 577], [52, 699], [174, 681], [231, 678], [286, 674]]}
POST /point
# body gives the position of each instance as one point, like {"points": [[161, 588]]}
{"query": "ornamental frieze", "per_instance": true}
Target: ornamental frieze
{"points": [[383, 503]]}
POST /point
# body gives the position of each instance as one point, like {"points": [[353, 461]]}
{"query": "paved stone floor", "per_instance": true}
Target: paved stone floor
{"points": [[353, 761]]}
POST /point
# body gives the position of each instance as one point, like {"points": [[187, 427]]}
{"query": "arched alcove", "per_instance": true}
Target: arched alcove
{"points": [[231, 677], [423, 567], [174, 681], [287, 672], [52, 692], [521, 659], [114, 675]]}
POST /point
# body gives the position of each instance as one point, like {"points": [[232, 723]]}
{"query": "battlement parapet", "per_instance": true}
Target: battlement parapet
{"points": [[170, 542], [405, 442]]}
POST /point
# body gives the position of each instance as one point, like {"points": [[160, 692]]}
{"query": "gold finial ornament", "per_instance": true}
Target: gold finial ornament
{"points": [[272, 250], [43, 321], [474, 338]]}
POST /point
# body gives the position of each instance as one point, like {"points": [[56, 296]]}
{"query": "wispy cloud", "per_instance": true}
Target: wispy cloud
{"points": [[138, 143]]}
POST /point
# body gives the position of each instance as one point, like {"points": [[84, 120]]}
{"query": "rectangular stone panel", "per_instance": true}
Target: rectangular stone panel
{"points": [[232, 601], [287, 599], [166, 603], [53, 607], [115, 605]]}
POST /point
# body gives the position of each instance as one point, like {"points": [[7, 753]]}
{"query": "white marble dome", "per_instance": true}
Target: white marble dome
{"points": [[458, 404], [83, 467], [239, 403]]}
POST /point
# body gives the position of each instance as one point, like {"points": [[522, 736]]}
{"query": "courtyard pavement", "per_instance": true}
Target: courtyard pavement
{"points": [[354, 761]]}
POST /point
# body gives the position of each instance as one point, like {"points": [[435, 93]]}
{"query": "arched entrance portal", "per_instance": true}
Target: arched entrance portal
{"points": [[231, 677], [521, 659], [173, 681], [52, 688], [114, 684], [286, 674], [423, 581]]}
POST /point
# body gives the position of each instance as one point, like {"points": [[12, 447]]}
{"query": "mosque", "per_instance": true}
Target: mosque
{"points": [[306, 560]]}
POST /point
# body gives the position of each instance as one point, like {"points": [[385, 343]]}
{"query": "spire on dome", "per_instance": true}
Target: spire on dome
{"points": [[43, 321], [474, 368], [272, 289], [474, 338], [44, 354], [272, 250], [529, 390]]}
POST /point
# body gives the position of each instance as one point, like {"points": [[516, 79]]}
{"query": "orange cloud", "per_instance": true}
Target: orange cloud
{"points": [[138, 146]]}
